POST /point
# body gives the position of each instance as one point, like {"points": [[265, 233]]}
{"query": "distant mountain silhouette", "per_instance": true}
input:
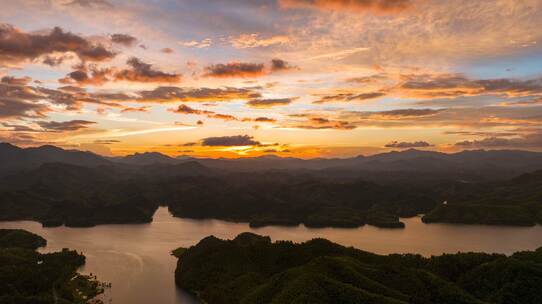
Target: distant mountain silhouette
{"points": [[488, 164], [14, 158], [497, 163], [416, 160], [146, 158]]}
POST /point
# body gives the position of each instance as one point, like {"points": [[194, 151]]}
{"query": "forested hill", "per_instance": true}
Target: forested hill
{"points": [[20, 239], [57, 194], [514, 202], [73, 188], [252, 269], [27, 276], [62, 194]]}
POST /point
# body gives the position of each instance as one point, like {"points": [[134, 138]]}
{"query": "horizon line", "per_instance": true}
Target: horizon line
{"points": [[273, 155]]}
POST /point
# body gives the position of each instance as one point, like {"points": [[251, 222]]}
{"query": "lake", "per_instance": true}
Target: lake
{"points": [[136, 258]]}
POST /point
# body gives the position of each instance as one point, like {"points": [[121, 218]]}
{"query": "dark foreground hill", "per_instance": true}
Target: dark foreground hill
{"points": [[27, 276], [252, 269]]}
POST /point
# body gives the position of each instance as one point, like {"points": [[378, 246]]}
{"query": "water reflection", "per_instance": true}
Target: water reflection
{"points": [[136, 258]]}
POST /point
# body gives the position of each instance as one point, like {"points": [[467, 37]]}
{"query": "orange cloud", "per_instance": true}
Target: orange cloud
{"points": [[530, 140], [17, 46], [123, 39], [278, 65], [144, 72], [408, 145], [253, 40], [235, 69], [139, 72], [230, 141], [471, 117], [63, 126], [225, 117], [403, 114], [311, 122], [454, 85], [142, 109], [347, 97], [373, 6], [264, 119], [15, 81], [88, 76], [184, 109], [268, 103], [16, 108], [176, 94]]}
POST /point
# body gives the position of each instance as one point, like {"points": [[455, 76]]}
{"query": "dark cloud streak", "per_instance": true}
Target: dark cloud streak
{"points": [[347, 97], [230, 141], [355, 6], [144, 72], [123, 39], [234, 69], [17, 46], [408, 145], [64, 126], [268, 103]]}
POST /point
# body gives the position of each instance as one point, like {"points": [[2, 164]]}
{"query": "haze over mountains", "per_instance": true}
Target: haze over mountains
{"points": [[407, 160], [499, 163]]}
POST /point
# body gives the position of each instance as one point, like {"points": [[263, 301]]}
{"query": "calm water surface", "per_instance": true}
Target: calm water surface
{"points": [[136, 258]]}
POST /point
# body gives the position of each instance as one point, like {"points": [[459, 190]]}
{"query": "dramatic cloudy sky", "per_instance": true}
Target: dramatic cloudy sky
{"points": [[304, 78]]}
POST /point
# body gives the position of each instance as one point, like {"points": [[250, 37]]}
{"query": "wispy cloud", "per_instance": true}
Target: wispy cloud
{"points": [[338, 55], [254, 40], [200, 44]]}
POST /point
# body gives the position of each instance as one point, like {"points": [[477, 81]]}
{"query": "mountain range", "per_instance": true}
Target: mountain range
{"points": [[68, 187], [492, 163]]}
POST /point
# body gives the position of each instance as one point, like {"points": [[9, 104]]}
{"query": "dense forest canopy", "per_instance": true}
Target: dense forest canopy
{"points": [[252, 269], [73, 188], [27, 276]]}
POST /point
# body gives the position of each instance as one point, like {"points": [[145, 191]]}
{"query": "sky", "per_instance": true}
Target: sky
{"points": [[291, 78]]}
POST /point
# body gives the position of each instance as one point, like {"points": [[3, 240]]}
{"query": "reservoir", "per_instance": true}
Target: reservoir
{"points": [[136, 259]]}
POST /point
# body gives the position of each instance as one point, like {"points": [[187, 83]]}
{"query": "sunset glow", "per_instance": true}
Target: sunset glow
{"points": [[291, 78]]}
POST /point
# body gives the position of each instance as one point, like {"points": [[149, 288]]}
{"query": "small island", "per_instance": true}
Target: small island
{"points": [[253, 269], [27, 276]]}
